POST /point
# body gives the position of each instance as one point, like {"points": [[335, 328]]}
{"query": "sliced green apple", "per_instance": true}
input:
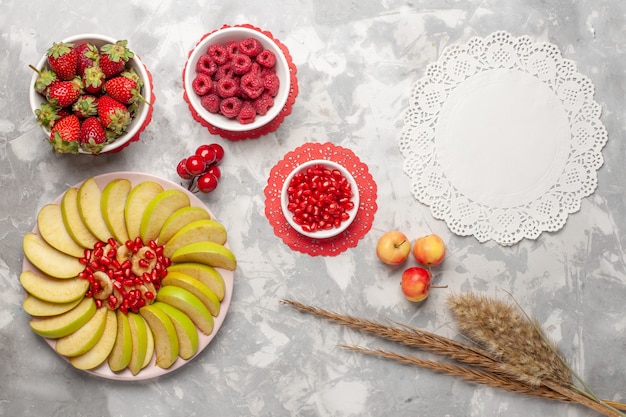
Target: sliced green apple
{"points": [[85, 337], [53, 290], [89, 203], [139, 330], [66, 323], [40, 308], [158, 210], [113, 201], [49, 260], [188, 304], [179, 219], [119, 358], [52, 230], [72, 221], [138, 199], [208, 253], [149, 348], [186, 332], [196, 287], [205, 273], [198, 231], [165, 338], [101, 350]]}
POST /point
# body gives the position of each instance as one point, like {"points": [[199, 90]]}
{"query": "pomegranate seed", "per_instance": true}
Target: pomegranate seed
{"points": [[98, 303], [143, 263], [112, 242], [149, 295]]}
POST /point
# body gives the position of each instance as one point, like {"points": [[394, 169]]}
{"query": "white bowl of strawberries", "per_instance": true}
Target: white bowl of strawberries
{"points": [[237, 79], [91, 94]]}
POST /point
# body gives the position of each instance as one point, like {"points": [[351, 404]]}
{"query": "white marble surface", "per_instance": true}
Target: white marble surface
{"points": [[356, 62]]}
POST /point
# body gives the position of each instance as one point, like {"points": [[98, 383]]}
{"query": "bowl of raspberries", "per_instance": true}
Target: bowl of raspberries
{"points": [[91, 94], [237, 79]]}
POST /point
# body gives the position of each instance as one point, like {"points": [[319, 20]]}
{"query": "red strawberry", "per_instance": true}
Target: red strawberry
{"points": [[87, 56], [92, 135], [114, 116], [64, 93], [93, 79], [85, 106], [113, 58], [65, 134], [62, 60], [123, 89]]}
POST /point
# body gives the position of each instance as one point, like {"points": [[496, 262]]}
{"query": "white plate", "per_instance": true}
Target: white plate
{"points": [[152, 370]]}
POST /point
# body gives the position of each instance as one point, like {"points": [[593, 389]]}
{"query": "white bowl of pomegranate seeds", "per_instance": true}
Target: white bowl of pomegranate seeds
{"points": [[320, 199], [237, 79], [119, 131]]}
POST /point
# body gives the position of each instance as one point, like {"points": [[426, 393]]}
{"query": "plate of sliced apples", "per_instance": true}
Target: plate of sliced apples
{"points": [[127, 276]]}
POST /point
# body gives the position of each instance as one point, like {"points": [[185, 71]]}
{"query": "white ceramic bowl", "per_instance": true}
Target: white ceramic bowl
{"points": [[325, 233], [143, 109], [222, 37]]}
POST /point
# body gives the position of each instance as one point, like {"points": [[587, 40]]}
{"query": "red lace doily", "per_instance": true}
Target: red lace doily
{"points": [[367, 193], [269, 127], [146, 122]]}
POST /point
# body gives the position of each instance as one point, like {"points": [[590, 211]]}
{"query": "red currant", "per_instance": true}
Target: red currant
{"points": [[207, 183], [181, 169], [215, 170], [207, 153], [219, 152], [195, 165]]}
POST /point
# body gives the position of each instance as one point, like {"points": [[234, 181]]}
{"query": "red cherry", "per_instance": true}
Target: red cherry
{"points": [[181, 169], [207, 183], [215, 170], [207, 153], [195, 165], [219, 152]]}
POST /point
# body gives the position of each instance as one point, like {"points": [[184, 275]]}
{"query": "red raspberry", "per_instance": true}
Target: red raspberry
{"points": [[218, 53], [252, 85], [230, 107], [247, 113], [250, 47], [226, 87], [202, 84], [241, 64], [224, 71], [233, 48], [266, 59], [211, 103], [263, 103], [206, 65], [271, 84], [256, 69]]}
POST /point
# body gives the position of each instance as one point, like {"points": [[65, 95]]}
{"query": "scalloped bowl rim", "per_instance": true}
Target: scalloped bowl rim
{"points": [[135, 126], [320, 234], [237, 33]]}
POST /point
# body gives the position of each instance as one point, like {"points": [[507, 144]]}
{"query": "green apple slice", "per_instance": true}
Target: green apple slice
{"points": [[179, 219], [101, 350], [198, 231], [165, 338], [66, 323], [53, 290], [89, 203], [149, 348], [208, 253], [113, 201], [40, 308], [188, 304], [139, 330], [72, 221], [208, 275], [52, 230], [186, 332], [196, 287], [136, 203], [119, 358], [49, 260], [158, 210], [85, 337]]}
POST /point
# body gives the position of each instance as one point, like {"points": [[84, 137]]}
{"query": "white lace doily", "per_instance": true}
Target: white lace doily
{"points": [[502, 138]]}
